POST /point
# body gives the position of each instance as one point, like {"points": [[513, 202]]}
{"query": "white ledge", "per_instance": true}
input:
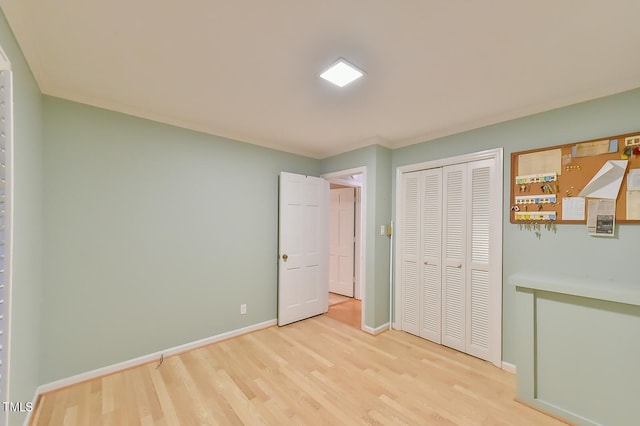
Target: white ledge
{"points": [[593, 288]]}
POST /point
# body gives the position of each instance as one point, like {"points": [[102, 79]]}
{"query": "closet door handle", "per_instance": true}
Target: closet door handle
{"points": [[285, 257], [459, 265]]}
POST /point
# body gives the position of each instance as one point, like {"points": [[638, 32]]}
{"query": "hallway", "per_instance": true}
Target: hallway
{"points": [[345, 309]]}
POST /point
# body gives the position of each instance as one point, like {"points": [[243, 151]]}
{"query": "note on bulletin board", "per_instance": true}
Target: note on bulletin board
{"points": [[633, 205], [633, 194], [588, 149], [549, 161], [573, 208], [601, 217], [633, 180], [606, 183]]}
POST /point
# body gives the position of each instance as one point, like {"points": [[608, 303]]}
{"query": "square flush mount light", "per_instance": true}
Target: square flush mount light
{"points": [[342, 73]]}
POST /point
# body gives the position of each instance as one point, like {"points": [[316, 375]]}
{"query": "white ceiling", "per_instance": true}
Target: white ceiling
{"points": [[249, 69]]}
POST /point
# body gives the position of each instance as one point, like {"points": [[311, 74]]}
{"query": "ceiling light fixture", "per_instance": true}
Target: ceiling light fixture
{"points": [[342, 73]]}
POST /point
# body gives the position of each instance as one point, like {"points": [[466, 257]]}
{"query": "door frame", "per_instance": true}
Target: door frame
{"points": [[497, 155], [361, 217]]}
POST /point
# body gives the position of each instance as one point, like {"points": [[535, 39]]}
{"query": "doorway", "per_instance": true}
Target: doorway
{"points": [[346, 236]]}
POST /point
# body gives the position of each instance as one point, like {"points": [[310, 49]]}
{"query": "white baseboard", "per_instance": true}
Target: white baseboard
{"points": [[508, 367], [147, 358], [377, 330]]}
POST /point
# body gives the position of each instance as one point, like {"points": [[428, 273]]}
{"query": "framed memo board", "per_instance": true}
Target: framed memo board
{"points": [[546, 183]]}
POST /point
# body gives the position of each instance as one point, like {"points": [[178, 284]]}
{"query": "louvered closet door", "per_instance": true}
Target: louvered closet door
{"points": [[422, 253], [450, 257], [454, 236], [431, 220], [480, 303], [411, 253]]}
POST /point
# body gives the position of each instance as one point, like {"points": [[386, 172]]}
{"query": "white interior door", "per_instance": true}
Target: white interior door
{"points": [[303, 263], [342, 234]]}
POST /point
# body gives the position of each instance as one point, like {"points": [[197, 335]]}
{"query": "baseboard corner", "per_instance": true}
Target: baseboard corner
{"points": [[375, 331], [508, 367]]}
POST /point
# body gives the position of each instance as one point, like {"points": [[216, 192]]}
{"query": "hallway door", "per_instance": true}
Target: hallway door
{"points": [[303, 261], [342, 244]]}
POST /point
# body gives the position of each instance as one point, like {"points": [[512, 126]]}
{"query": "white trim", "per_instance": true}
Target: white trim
{"points": [[489, 154], [496, 154], [358, 236], [377, 330], [149, 358], [508, 367], [5, 64], [362, 261], [5, 384], [391, 269], [342, 180]]}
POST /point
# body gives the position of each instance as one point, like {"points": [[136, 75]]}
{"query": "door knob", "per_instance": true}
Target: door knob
{"points": [[285, 257]]}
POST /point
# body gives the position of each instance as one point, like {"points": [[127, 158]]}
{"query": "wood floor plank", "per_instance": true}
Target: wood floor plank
{"points": [[317, 371]]}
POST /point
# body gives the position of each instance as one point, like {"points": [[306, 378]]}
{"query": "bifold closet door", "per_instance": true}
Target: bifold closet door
{"points": [[468, 302], [421, 248], [450, 257]]}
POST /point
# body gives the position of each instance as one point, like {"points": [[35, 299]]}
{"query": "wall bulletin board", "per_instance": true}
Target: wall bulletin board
{"points": [[546, 183]]}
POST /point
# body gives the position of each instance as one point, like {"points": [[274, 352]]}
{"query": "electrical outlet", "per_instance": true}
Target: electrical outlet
{"points": [[243, 309]]}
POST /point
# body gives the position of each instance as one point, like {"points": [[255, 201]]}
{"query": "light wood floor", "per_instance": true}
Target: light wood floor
{"points": [[317, 371], [335, 298], [348, 311]]}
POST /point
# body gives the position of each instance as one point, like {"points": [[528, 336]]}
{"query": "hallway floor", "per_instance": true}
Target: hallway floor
{"points": [[347, 310]]}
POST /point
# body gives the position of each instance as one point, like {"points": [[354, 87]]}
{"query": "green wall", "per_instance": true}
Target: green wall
{"points": [[383, 243], [28, 227], [154, 236], [570, 250]]}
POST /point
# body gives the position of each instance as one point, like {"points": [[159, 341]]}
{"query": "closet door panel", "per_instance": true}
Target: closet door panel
{"points": [[454, 250], [431, 237], [483, 199], [478, 315], [411, 270]]}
